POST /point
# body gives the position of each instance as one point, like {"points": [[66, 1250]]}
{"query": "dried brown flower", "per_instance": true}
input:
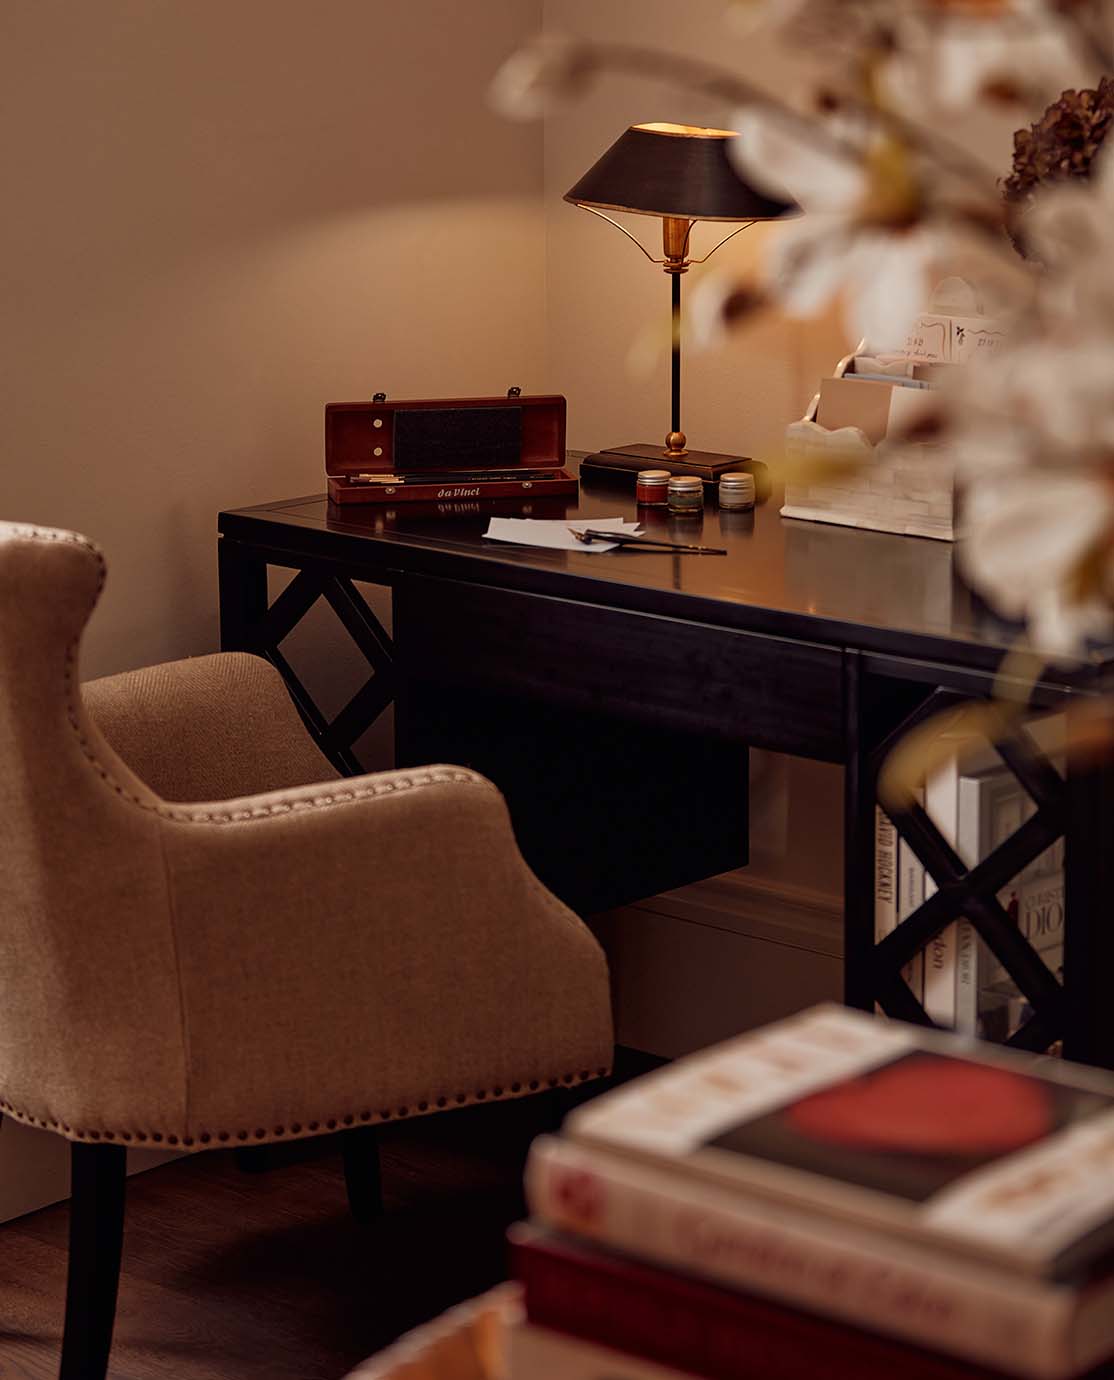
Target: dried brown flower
{"points": [[1060, 147], [1062, 144]]}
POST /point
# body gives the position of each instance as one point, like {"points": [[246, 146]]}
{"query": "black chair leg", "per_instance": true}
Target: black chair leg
{"points": [[97, 1178], [359, 1150]]}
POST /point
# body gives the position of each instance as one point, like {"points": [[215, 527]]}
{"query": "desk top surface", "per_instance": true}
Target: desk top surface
{"points": [[782, 576]]}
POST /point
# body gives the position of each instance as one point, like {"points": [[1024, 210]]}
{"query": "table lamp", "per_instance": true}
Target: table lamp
{"points": [[683, 174]]}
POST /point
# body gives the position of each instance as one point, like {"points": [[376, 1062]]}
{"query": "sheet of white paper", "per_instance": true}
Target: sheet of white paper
{"points": [[555, 534]]}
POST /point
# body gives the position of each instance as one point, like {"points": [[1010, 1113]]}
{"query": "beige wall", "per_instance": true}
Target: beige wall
{"points": [[223, 213], [233, 211], [607, 308], [220, 215]]}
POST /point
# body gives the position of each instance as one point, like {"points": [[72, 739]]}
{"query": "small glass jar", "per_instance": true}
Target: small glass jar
{"points": [[686, 494], [736, 490], [651, 488]]}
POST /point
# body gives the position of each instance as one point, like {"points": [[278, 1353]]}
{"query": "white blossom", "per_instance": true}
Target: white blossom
{"points": [[1026, 535], [849, 240], [951, 58], [882, 277]]}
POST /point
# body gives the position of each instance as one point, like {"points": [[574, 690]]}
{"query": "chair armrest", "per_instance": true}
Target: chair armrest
{"points": [[208, 728], [371, 949]]}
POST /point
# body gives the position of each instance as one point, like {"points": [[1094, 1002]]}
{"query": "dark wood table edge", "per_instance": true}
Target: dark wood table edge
{"points": [[966, 663]]}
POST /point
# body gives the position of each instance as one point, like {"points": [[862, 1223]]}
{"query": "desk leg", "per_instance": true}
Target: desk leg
{"points": [[876, 707], [1088, 932], [249, 623], [858, 846], [242, 578]]}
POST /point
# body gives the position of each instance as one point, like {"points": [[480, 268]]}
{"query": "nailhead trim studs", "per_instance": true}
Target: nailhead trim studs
{"points": [[296, 1127]]}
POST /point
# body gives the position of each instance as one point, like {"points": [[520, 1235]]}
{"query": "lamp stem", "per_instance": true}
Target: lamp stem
{"points": [[676, 417], [675, 442], [675, 232]]}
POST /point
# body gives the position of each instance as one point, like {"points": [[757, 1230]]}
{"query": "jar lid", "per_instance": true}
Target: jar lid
{"points": [[736, 479], [653, 476], [686, 483]]}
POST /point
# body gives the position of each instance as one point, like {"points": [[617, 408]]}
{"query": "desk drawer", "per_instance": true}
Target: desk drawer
{"points": [[768, 692]]}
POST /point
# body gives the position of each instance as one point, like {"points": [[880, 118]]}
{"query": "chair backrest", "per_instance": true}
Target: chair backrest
{"points": [[89, 1005]]}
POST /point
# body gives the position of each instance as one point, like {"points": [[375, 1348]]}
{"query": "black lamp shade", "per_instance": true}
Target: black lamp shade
{"points": [[674, 170]]}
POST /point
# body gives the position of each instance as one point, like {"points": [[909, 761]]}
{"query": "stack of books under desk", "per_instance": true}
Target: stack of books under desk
{"points": [[977, 803], [835, 1195]]}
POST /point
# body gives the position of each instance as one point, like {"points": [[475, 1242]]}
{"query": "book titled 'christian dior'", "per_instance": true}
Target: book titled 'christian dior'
{"points": [[954, 1195]]}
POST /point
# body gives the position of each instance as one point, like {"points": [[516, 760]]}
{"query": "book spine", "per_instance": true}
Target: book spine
{"points": [[674, 1321], [1039, 908], [972, 845], [941, 804], [992, 806], [929, 1298], [885, 875], [1046, 864], [898, 890], [539, 1353], [910, 895], [966, 978]]}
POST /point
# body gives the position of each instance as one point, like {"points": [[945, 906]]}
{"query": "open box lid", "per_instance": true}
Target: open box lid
{"points": [[442, 435]]}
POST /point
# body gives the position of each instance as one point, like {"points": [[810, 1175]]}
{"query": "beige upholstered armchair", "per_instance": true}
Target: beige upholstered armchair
{"points": [[296, 955]]}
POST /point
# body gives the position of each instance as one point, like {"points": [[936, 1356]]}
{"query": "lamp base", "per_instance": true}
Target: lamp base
{"points": [[617, 460]]}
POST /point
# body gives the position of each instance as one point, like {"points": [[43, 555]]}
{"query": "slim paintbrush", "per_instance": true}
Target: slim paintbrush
{"points": [[588, 535], [456, 477]]}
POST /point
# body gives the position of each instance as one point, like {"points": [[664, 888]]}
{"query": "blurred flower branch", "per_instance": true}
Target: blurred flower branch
{"points": [[548, 73], [893, 202]]}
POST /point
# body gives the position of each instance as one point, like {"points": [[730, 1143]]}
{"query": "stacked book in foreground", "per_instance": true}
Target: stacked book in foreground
{"points": [[833, 1195]]}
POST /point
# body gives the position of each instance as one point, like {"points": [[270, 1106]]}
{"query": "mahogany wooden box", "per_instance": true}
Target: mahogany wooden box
{"points": [[425, 449]]}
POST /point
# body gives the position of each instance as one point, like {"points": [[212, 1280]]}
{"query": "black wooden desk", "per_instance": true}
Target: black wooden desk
{"points": [[613, 697]]}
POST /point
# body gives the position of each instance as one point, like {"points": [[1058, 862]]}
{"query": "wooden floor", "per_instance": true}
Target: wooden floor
{"points": [[234, 1276]]}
